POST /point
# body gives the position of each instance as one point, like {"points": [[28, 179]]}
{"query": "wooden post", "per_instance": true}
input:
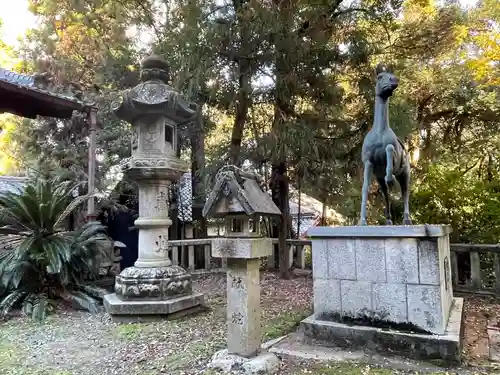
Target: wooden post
{"points": [[475, 270], [175, 255], [301, 260], [496, 268], [189, 235], [92, 118], [207, 256], [271, 259]]}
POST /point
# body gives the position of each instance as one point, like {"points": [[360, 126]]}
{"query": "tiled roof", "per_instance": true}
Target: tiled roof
{"points": [[10, 183], [45, 99], [306, 222], [16, 78]]}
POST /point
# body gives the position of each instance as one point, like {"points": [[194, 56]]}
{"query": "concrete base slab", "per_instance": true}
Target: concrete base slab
{"points": [[147, 310], [264, 363], [294, 345], [446, 347]]}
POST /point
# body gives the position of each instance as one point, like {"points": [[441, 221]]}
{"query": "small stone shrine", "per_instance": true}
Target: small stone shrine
{"points": [[387, 289], [238, 198], [153, 286]]}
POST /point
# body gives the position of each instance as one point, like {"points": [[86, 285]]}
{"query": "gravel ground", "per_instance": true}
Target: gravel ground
{"points": [[77, 343]]}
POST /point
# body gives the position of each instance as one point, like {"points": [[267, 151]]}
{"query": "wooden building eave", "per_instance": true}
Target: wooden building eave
{"points": [[30, 102]]}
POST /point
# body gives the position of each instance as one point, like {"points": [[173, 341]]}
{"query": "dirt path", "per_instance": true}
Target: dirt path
{"points": [[77, 343]]}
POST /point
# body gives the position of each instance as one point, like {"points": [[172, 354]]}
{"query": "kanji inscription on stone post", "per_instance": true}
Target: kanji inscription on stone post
{"points": [[236, 282], [161, 202], [243, 310], [237, 318]]}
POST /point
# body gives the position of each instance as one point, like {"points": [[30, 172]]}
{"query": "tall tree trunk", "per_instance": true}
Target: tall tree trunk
{"points": [[282, 111], [244, 87], [280, 195], [197, 140]]}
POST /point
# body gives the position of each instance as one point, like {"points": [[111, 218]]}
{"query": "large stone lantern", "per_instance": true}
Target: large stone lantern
{"points": [[153, 285]]}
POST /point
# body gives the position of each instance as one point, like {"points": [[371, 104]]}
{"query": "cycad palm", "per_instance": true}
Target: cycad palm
{"points": [[39, 259]]}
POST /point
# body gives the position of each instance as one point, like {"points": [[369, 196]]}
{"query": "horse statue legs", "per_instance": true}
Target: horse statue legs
{"points": [[364, 195], [386, 182], [404, 183]]}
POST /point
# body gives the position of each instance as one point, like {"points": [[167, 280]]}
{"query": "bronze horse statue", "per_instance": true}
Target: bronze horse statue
{"points": [[383, 153]]}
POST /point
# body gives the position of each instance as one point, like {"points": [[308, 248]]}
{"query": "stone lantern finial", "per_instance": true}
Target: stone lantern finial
{"points": [[155, 67]]}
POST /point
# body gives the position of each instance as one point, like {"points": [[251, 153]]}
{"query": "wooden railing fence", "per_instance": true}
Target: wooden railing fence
{"points": [[474, 268]]}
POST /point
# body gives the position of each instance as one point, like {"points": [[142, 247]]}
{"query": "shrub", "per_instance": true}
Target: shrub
{"points": [[470, 205], [41, 261]]}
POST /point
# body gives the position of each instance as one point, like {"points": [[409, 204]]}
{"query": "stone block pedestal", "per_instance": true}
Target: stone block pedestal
{"points": [[394, 280]]}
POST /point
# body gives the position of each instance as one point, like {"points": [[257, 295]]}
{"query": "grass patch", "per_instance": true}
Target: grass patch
{"points": [[10, 356], [11, 362], [130, 331], [182, 360], [284, 323], [349, 368]]}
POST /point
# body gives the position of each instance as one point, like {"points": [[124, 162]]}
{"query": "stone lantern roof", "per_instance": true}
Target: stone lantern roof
{"points": [[154, 96], [238, 192]]}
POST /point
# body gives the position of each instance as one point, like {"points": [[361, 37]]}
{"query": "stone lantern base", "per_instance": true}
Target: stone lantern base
{"points": [[160, 292]]}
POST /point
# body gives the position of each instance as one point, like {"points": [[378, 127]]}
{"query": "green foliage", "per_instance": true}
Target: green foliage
{"points": [[40, 260], [470, 205], [82, 45], [292, 81]]}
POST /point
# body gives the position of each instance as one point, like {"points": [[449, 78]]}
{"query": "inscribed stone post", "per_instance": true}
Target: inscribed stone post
{"points": [[243, 309]]}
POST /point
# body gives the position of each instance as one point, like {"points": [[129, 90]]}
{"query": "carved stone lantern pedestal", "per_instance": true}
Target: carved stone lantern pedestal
{"points": [[238, 198], [153, 286]]}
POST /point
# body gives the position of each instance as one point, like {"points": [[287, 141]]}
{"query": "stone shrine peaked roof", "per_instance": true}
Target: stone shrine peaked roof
{"points": [[26, 95], [244, 188]]}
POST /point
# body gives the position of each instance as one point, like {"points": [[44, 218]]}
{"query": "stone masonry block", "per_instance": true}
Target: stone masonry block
{"points": [[402, 260], [390, 302], [356, 298], [241, 248], [326, 297], [428, 258], [424, 307], [445, 276], [370, 260], [320, 259], [341, 258]]}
